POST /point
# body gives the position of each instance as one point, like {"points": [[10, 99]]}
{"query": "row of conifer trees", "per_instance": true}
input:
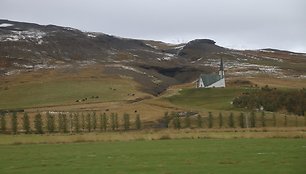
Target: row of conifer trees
{"points": [[242, 121], [66, 123], [91, 122]]}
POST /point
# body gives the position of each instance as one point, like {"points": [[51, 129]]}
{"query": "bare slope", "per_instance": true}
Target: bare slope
{"points": [[62, 65]]}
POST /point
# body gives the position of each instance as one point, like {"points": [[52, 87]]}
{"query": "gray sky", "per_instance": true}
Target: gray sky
{"points": [[242, 24]]}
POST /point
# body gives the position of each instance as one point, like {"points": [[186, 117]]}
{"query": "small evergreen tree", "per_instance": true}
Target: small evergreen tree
{"points": [[231, 122], [71, 122], [88, 121], [14, 123], [26, 123], [176, 121], [210, 120], [253, 119], [94, 121], [199, 121], [187, 121], [38, 124], [50, 123], [116, 121], [76, 123], [241, 120], [166, 119], [113, 124], [65, 123], [126, 121], [274, 120], [263, 119], [103, 121], [138, 122], [83, 122], [60, 122], [220, 120], [3, 122]]}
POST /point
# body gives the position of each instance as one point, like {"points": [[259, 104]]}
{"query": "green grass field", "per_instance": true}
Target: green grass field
{"points": [[211, 98], [282, 156]]}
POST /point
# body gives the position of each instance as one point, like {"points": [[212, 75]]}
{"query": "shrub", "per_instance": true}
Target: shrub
{"points": [[26, 123], [14, 123], [38, 124], [231, 122], [165, 137], [187, 121], [210, 120], [138, 122], [200, 121], [285, 121], [50, 123], [126, 121]]}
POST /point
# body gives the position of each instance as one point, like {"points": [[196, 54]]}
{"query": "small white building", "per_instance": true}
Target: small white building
{"points": [[212, 80]]}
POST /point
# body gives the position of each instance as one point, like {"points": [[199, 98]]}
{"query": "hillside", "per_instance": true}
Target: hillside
{"points": [[63, 65]]}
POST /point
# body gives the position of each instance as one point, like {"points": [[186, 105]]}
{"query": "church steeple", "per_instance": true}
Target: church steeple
{"points": [[221, 65], [221, 70]]}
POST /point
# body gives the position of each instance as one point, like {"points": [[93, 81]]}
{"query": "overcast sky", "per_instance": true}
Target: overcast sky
{"points": [[242, 24]]}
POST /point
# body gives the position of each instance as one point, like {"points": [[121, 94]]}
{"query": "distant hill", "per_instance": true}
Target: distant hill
{"points": [[154, 64]]}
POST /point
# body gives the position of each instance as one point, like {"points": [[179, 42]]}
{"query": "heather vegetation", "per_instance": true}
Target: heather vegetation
{"points": [[272, 99]]}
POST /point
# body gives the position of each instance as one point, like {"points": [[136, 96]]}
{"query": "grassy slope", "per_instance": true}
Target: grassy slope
{"points": [[168, 156], [45, 88], [62, 92], [214, 98]]}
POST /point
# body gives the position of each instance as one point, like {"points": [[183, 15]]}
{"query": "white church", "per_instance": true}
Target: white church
{"points": [[212, 80]]}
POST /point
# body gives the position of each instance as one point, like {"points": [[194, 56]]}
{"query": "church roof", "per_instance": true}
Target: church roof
{"points": [[209, 79]]}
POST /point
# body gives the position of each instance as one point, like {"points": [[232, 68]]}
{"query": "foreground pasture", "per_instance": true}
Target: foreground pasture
{"points": [[161, 156]]}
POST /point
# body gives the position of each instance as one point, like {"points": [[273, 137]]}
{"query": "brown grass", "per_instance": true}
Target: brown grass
{"points": [[156, 135]]}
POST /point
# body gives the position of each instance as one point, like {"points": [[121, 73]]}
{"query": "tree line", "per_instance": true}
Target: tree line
{"points": [[92, 122], [249, 120], [67, 123]]}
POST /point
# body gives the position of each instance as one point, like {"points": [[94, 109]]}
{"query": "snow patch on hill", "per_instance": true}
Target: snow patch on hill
{"points": [[91, 35], [6, 25], [126, 68], [32, 35]]}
